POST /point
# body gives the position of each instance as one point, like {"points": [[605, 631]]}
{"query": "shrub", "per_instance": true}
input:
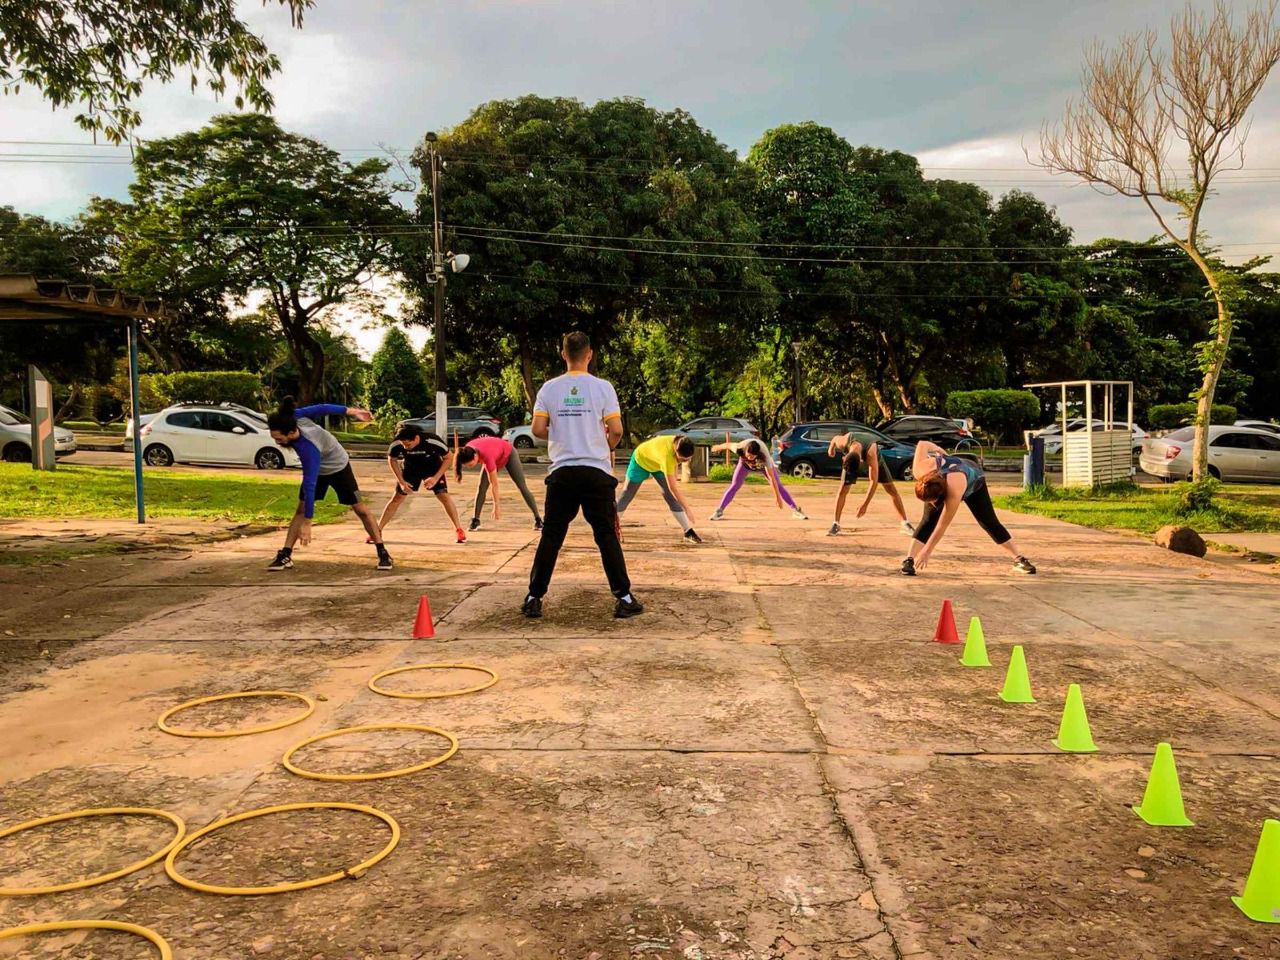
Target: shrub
{"points": [[1197, 495], [158, 390], [1001, 413], [1169, 416], [387, 416]]}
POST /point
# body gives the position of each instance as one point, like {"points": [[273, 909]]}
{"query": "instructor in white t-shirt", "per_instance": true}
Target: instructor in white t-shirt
{"points": [[577, 414]]}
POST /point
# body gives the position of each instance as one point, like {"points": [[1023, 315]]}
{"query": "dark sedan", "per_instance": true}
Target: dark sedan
{"points": [[944, 432]]}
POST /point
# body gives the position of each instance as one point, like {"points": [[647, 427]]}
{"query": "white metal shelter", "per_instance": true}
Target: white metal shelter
{"points": [[1103, 451]]}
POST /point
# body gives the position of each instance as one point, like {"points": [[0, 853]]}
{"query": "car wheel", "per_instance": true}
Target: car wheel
{"points": [[17, 453], [483, 432], [908, 474], [158, 455], [268, 459], [1214, 472], [804, 469], [523, 442]]}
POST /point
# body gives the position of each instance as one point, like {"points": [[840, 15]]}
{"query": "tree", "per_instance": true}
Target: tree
{"points": [[99, 53], [396, 375], [242, 207], [1138, 102], [592, 217]]}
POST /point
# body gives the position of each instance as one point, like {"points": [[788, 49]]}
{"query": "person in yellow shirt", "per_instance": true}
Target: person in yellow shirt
{"points": [[657, 458]]}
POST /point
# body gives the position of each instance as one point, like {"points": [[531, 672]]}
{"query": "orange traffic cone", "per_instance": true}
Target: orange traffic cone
{"points": [[946, 631], [423, 627]]}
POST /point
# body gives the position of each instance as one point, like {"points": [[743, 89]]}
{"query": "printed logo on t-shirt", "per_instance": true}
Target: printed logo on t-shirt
{"points": [[573, 400]]}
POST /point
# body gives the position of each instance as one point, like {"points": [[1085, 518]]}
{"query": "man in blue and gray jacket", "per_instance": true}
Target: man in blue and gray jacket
{"points": [[325, 466]]}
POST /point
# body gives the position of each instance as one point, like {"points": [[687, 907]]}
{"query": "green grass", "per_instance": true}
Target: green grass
{"points": [[88, 426], [722, 473], [359, 436], [1128, 507], [107, 493]]}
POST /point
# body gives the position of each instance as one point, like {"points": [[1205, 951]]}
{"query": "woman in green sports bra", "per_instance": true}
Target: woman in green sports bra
{"points": [[878, 473]]}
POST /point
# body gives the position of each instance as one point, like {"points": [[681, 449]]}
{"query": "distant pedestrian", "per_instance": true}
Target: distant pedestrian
{"points": [[753, 455], [325, 467], [943, 483], [579, 417], [492, 454], [418, 457]]}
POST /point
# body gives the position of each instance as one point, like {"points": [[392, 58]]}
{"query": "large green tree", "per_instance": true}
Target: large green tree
{"points": [[96, 55], [593, 217], [242, 208], [395, 375]]}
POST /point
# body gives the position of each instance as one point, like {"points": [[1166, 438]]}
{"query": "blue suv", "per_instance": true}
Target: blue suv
{"points": [[802, 450]]}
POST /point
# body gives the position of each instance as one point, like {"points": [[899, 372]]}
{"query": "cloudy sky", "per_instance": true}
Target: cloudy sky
{"points": [[962, 85]]}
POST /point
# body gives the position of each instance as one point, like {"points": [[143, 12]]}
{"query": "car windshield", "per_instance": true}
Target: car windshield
{"points": [[12, 417]]}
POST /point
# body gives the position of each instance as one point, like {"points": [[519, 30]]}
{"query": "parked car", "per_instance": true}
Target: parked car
{"points": [[1235, 453], [143, 420], [15, 437], [208, 433], [802, 450], [522, 438], [953, 435], [1053, 434], [711, 430], [467, 422], [1260, 425]]}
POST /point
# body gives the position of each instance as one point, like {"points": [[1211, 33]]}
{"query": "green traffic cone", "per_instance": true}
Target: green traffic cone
{"points": [[1261, 898], [1017, 682], [975, 646], [1073, 731], [1162, 801]]}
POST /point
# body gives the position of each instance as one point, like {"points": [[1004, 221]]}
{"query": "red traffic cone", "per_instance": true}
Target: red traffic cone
{"points": [[946, 630], [423, 627]]}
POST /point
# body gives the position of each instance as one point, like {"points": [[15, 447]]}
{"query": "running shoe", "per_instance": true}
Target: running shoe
{"points": [[532, 607], [1023, 565], [283, 561], [475, 524], [692, 536], [835, 529], [718, 515], [462, 537], [369, 540], [384, 558], [908, 567], [537, 523], [908, 528], [798, 514], [627, 606]]}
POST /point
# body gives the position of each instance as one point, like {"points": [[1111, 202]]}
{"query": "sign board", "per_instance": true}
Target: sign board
{"points": [[41, 393]]}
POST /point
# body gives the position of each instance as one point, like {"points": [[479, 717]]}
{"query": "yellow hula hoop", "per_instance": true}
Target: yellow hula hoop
{"points": [[373, 682], [155, 938], [106, 877], [352, 872], [186, 732], [380, 775]]}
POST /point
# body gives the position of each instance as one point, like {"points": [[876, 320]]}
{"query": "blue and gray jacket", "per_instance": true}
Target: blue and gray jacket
{"points": [[318, 449]]}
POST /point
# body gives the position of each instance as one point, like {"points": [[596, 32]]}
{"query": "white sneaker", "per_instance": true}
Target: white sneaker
{"points": [[908, 528], [835, 529], [718, 515], [798, 514]]}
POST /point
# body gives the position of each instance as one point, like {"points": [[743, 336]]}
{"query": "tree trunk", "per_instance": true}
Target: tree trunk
{"points": [[1213, 359], [72, 397], [526, 370], [886, 410]]}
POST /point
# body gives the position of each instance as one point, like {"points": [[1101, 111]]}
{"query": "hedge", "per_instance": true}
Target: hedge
{"points": [[1170, 416], [210, 386], [1000, 413]]}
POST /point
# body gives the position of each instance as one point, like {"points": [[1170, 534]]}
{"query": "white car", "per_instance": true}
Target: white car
{"points": [[15, 438], [207, 433], [1053, 434], [1235, 453], [522, 438], [1260, 425]]}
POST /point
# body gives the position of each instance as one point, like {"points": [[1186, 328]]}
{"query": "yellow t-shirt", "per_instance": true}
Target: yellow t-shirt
{"points": [[657, 455]]}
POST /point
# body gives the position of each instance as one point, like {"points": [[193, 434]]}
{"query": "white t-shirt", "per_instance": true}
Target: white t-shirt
{"points": [[577, 406]]}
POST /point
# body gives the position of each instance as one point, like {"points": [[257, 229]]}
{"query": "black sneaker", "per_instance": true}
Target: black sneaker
{"points": [[384, 558], [475, 524], [692, 536], [628, 608], [532, 607], [537, 523], [1023, 565], [283, 561], [908, 567]]}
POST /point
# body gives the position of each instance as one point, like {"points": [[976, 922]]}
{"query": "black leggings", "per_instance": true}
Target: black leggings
{"points": [[979, 504]]}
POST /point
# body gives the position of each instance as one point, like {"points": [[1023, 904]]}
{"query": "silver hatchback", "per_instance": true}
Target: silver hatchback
{"points": [[1235, 453]]}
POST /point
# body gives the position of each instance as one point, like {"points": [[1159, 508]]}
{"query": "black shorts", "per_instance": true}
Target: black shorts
{"points": [[343, 483], [442, 485]]}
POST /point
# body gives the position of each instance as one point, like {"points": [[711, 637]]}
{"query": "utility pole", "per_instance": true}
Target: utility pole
{"points": [[437, 273], [797, 383]]}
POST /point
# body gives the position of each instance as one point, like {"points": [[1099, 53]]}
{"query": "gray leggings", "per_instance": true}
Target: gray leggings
{"points": [[516, 472], [633, 487]]}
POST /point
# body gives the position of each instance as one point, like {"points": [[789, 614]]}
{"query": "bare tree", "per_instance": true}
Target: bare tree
{"points": [[1138, 103]]}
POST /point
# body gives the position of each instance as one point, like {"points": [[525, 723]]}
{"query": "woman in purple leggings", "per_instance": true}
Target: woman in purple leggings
{"points": [[754, 455]]}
